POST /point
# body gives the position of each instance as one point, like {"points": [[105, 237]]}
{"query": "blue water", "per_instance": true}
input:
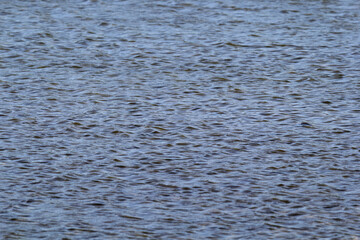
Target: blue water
{"points": [[179, 119]]}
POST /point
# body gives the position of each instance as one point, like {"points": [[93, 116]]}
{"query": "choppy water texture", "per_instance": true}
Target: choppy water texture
{"points": [[180, 119]]}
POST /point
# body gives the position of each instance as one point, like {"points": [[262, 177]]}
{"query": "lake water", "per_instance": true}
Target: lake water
{"points": [[178, 119]]}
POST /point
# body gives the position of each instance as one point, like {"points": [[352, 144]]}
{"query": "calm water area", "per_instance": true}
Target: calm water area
{"points": [[180, 119]]}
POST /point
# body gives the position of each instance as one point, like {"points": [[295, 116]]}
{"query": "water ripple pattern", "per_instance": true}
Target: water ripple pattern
{"points": [[172, 119]]}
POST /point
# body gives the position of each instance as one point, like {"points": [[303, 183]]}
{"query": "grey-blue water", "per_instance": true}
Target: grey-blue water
{"points": [[180, 119]]}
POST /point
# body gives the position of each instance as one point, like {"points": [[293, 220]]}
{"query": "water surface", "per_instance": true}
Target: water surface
{"points": [[179, 119]]}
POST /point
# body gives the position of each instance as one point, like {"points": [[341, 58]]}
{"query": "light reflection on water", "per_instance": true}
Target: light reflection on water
{"points": [[179, 120]]}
